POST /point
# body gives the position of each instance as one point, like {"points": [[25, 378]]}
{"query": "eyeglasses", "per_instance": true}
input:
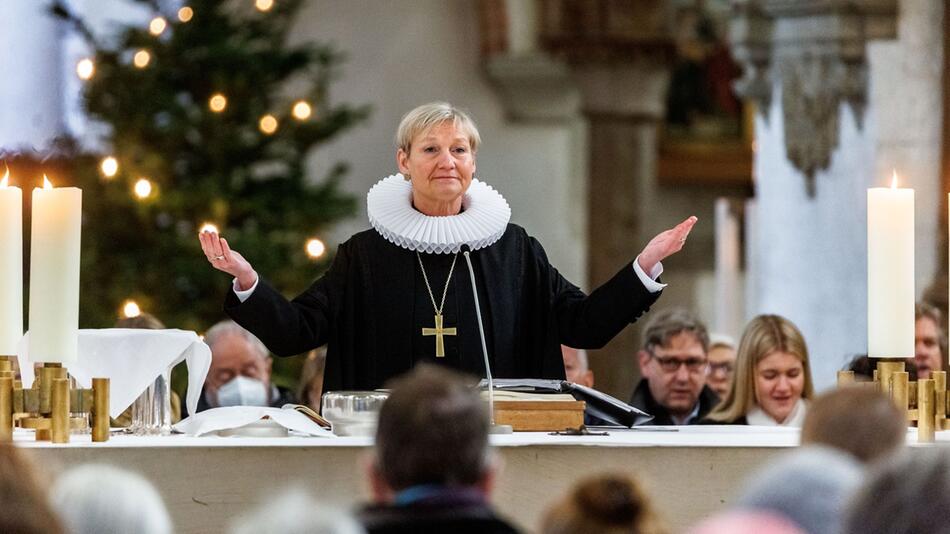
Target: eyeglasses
{"points": [[671, 364], [723, 368]]}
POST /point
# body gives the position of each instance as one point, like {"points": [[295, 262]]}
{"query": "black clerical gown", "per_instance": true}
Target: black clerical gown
{"points": [[372, 304]]}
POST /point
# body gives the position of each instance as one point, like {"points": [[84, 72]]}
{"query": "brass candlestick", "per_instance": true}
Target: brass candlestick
{"points": [[47, 406], [924, 401], [926, 410]]}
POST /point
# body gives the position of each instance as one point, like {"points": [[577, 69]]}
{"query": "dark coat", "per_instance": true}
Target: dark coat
{"points": [[740, 421], [371, 304], [449, 512], [643, 399]]}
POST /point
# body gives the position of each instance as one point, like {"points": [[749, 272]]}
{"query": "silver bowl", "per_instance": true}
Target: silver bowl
{"points": [[353, 413]]}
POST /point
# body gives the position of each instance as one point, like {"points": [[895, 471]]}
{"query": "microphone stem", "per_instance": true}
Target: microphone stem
{"points": [[481, 334]]}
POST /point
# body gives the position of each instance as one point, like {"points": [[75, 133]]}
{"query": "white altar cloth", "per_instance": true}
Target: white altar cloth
{"points": [[688, 437], [207, 482]]}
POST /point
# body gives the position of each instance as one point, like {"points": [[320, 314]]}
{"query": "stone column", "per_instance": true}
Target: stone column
{"points": [[619, 53], [31, 110], [537, 89], [728, 313], [823, 137]]}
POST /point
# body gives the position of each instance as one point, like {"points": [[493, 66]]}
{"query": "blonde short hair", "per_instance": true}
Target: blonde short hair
{"points": [[427, 116], [763, 335]]}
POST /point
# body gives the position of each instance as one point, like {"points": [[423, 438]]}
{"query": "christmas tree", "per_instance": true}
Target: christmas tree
{"points": [[210, 115]]}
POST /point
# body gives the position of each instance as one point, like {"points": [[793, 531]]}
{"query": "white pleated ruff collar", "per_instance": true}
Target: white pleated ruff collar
{"points": [[483, 220]]}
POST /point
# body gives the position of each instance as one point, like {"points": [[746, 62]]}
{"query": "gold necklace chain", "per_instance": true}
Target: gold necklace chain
{"points": [[438, 309]]}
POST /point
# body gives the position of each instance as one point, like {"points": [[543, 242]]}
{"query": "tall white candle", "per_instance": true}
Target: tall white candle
{"points": [[54, 274], [890, 272], [11, 266]]}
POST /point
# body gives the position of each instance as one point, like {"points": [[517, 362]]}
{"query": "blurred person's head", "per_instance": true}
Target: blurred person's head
{"points": [[96, 498], [310, 389], [930, 344], [606, 504], [576, 366], [856, 420], [772, 371], [673, 360], [746, 522], [24, 507], [240, 367], [143, 320], [908, 493], [296, 512], [810, 485], [433, 431], [722, 360]]}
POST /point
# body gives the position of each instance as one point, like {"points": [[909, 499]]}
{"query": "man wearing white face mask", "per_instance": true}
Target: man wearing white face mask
{"points": [[240, 370]]}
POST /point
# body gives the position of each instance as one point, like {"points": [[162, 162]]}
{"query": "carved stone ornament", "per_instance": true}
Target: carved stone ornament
{"points": [[813, 53]]}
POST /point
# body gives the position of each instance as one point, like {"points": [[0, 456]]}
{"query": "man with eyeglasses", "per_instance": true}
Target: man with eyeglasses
{"points": [[673, 363]]}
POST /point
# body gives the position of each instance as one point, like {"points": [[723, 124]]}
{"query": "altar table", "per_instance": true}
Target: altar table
{"points": [[690, 472]]}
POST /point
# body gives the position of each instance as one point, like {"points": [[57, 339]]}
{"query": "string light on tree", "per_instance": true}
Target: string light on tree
{"points": [[85, 68], [143, 188], [209, 227], [185, 14], [263, 5], [315, 248], [109, 167], [141, 59], [157, 26], [268, 124], [302, 110], [217, 102], [130, 309]]}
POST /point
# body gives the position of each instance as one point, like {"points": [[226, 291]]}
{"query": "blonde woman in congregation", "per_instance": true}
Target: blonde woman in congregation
{"points": [[772, 382]]}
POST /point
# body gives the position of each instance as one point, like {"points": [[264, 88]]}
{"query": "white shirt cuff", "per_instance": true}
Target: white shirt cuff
{"points": [[649, 281], [246, 294]]}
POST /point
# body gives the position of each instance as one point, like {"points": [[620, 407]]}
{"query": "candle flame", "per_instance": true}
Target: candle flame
{"points": [[6, 179], [46, 183], [894, 179], [131, 309], [315, 248]]}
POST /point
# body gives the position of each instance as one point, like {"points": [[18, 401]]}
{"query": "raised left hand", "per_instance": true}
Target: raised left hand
{"points": [[665, 244]]}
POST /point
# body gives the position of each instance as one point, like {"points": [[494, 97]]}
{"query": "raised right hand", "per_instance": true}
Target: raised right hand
{"points": [[222, 258]]}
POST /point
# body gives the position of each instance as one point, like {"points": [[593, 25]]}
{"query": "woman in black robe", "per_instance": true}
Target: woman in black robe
{"points": [[399, 293]]}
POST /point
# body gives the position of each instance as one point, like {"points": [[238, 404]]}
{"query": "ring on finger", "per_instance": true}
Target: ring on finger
{"points": [[217, 258]]}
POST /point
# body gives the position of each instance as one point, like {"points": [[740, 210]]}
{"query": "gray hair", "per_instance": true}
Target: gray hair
{"points": [[228, 328], [296, 512], [426, 116], [717, 340], [668, 323], [910, 493], [811, 486], [97, 498]]}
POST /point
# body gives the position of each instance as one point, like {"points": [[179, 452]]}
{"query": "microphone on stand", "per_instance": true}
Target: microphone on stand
{"points": [[495, 429]]}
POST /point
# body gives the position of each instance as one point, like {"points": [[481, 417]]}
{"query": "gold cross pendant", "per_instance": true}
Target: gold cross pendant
{"points": [[438, 332]]}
